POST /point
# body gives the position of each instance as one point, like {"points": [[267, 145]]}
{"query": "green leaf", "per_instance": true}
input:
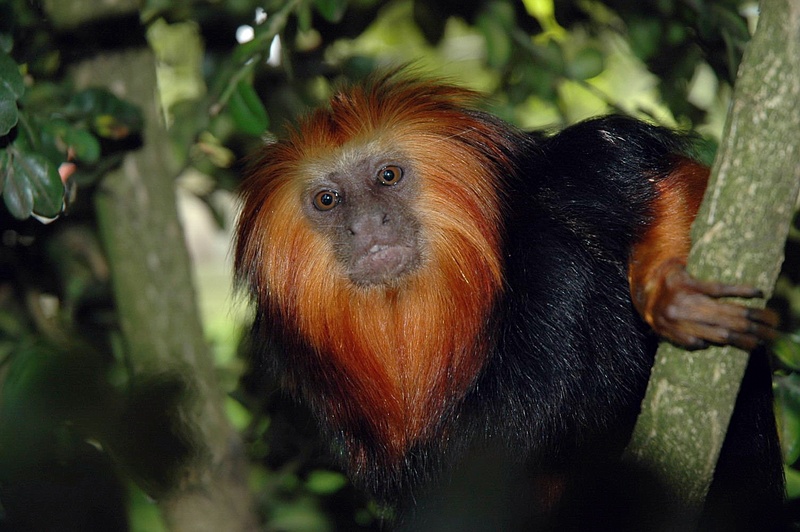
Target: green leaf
{"points": [[6, 43], [238, 415], [4, 160], [247, 110], [531, 79], [108, 116], [587, 63], [496, 23], [325, 482], [17, 193], [644, 35], [331, 10], [550, 56], [32, 185], [498, 41], [787, 395], [304, 17], [790, 433], [24, 371], [10, 76], [792, 483], [57, 136], [84, 144], [300, 514], [787, 349], [12, 87], [9, 114]]}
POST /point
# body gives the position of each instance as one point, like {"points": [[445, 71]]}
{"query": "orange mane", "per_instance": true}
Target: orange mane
{"points": [[388, 361]]}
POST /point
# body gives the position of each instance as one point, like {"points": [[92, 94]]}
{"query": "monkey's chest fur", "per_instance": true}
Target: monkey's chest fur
{"points": [[407, 373], [386, 368]]}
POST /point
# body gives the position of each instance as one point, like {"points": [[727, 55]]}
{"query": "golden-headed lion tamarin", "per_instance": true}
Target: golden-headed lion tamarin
{"points": [[430, 274]]}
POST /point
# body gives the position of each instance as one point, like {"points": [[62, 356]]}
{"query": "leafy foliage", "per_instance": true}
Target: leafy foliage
{"points": [[39, 134], [30, 184], [11, 89]]}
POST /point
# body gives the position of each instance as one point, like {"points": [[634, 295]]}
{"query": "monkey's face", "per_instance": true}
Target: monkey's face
{"points": [[371, 237], [362, 203]]}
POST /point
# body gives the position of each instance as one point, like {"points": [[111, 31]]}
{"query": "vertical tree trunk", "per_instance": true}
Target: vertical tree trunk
{"points": [[151, 278], [739, 236]]}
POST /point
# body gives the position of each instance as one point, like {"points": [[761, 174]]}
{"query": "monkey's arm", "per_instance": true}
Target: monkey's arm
{"points": [[682, 309]]}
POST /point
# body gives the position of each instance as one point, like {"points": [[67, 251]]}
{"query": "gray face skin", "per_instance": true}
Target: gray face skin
{"points": [[363, 205]]}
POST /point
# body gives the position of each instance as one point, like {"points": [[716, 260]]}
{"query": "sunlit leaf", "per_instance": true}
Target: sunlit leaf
{"points": [[179, 63], [792, 482], [544, 13], [541, 9], [325, 482], [238, 415]]}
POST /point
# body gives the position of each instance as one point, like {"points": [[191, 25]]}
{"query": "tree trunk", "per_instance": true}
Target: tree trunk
{"points": [[151, 278], [739, 237]]}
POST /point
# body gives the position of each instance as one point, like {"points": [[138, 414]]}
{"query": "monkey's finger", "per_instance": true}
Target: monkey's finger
{"points": [[701, 335], [717, 290], [749, 338], [746, 342], [703, 309], [740, 320], [702, 318], [767, 316]]}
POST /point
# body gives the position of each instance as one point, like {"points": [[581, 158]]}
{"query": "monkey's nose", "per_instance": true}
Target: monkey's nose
{"points": [[367, 224]]}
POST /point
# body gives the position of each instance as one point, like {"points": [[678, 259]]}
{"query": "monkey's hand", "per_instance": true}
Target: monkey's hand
{"points": [[689, 312]]}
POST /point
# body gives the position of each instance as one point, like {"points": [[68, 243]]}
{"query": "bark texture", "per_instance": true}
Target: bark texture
{"points": [[739, 237], [163, 337]]}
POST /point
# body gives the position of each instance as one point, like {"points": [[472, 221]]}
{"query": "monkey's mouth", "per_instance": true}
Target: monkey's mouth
{"points": [[382, 263]]}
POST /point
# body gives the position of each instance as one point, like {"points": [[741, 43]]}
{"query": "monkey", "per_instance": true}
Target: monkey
{"points": [[425, 274]]}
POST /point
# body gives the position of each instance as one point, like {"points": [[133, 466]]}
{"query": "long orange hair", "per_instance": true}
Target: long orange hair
{"points": [[382, 364]]}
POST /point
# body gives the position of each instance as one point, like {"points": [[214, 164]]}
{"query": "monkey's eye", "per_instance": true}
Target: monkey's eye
{"points": [[390, 175], [326, 200]]}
